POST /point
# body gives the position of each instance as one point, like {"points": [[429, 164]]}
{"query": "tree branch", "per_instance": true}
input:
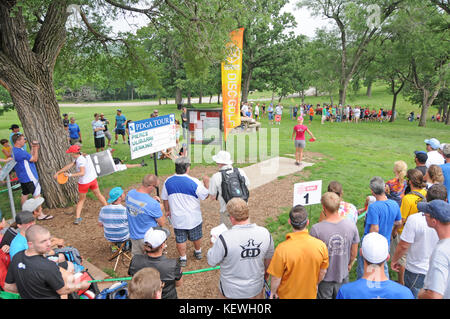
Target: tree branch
{"points": [[149, 12], [52, 34], [105, 39]]}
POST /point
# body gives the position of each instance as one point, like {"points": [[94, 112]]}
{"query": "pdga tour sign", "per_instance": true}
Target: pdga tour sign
{"points": [[152, 135]]}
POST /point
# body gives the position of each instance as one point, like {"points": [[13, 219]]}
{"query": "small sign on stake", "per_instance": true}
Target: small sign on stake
{"points": [[307, 193]]}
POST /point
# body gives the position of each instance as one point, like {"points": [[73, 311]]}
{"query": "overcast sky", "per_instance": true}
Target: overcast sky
{"points": [[305, 23]]}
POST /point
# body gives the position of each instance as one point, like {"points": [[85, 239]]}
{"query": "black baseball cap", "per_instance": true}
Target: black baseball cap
{"points": [[14, 126], [421, 156], [24, 217]]}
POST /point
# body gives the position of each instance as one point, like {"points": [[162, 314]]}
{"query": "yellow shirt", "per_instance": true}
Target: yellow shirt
{"points": [[297, 261], [8, 149], [409, 205]]}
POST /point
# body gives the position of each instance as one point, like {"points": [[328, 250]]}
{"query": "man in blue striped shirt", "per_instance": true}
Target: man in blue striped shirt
{"points": [[181, 195], [113, 217]]}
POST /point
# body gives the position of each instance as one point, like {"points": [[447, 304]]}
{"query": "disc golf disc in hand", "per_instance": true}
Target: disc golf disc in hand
{"points": [[312, 139], [62, 179]]}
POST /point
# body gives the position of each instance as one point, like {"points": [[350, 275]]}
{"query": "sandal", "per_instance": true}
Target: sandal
{"points": [[46, 217]]}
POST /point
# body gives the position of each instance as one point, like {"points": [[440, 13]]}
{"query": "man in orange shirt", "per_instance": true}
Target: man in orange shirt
{"points": [[300, 262]]}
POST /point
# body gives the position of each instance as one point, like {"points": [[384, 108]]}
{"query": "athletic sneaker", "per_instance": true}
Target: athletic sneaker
{"points": [[78, 221], [182, 262], [198, 255], [115, 142]]}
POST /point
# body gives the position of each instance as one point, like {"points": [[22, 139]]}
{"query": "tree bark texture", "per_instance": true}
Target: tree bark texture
{"points": [[27, 74]]}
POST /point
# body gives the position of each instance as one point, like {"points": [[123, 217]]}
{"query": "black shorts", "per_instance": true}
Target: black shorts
{"points": [[28, 188], [120, 131], [99, 142]]}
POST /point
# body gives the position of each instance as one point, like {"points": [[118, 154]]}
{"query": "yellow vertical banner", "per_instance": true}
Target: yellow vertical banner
{"points": [[231, 81]]}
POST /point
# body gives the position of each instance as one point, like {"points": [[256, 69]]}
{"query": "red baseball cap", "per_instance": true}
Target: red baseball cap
{"points": [[74, 149]]}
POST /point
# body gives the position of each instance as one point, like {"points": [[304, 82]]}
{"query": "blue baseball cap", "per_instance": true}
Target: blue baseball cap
{"points": [[437, 209], [434, 143], [114, 194]]}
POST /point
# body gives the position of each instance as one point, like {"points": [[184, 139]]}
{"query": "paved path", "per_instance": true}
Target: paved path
{"points": [[309, 92], [267, 171]]}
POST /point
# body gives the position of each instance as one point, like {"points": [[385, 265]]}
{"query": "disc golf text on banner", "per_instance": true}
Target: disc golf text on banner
{"points": [[152, 135], [231, 81], [308, 193]]}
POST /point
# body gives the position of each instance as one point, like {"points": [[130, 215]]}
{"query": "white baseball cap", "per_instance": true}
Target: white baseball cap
{"points": [[32, 204], [156, 236], [375, 248]]}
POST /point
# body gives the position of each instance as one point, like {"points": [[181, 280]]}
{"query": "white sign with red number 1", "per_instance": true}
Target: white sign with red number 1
{"points": [[308, 193]]}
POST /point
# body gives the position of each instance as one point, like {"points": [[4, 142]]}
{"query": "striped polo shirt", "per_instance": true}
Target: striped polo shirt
{"points": [[115, 223], [184, 193]]}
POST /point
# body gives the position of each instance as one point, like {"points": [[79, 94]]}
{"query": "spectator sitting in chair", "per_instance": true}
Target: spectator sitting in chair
{"points": [[113, 217]]}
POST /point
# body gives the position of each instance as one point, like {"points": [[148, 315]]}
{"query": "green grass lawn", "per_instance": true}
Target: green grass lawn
{"points": [[352, 153]]}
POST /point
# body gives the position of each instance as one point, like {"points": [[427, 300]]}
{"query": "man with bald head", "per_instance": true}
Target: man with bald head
{"points": [[33, 276], [144, 211]]}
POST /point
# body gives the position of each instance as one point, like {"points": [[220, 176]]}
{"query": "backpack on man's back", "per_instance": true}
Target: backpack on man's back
{"points": [[233, 185]]}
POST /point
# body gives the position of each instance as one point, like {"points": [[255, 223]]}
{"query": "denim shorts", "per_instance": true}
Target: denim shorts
{"points": [[300, 143], [181, 235]]}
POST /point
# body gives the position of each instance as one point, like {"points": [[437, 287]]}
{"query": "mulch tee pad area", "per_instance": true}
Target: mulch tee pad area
{"points": [[265, 201]]}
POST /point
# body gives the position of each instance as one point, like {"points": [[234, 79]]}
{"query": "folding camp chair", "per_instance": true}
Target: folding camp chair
{"points": [[121, 249]]}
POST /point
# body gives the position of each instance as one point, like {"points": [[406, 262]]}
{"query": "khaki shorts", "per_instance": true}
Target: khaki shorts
{"points": [[394, 244]]}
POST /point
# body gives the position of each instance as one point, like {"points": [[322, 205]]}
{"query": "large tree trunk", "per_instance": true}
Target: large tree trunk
{"points": [[427, 100], [394, 103], [447, 119], [369, 89], [394, 99], [178, 97], [27, 75]]}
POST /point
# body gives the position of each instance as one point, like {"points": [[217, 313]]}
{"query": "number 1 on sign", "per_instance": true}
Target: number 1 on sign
{"points": [[306, 197]]}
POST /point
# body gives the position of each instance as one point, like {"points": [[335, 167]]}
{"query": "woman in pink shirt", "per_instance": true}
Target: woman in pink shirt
{"points": [[299, 139]]}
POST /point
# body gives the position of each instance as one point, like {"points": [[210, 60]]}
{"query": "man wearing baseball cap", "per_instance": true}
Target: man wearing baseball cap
{"points": [[420, 159], [113, 217], [374, 284], [437, 280], [87, 179], [446, 168], [15, 130], [169, 268], [24, 220], [434, 157]]}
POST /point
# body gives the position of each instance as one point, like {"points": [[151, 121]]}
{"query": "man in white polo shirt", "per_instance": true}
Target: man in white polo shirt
{"points": [[434, 157], [181, 195]]}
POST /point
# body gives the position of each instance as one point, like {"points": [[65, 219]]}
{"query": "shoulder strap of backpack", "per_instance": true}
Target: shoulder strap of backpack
{"points": [[419, 194], [224, 245]]}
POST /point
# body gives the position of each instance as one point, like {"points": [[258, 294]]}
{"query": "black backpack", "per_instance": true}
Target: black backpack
{"points": [[233, 185]]}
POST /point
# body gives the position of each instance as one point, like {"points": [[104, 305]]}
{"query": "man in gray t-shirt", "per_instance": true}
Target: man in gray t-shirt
{"points": [[244, 252], [437, 280], [341, 237]]}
